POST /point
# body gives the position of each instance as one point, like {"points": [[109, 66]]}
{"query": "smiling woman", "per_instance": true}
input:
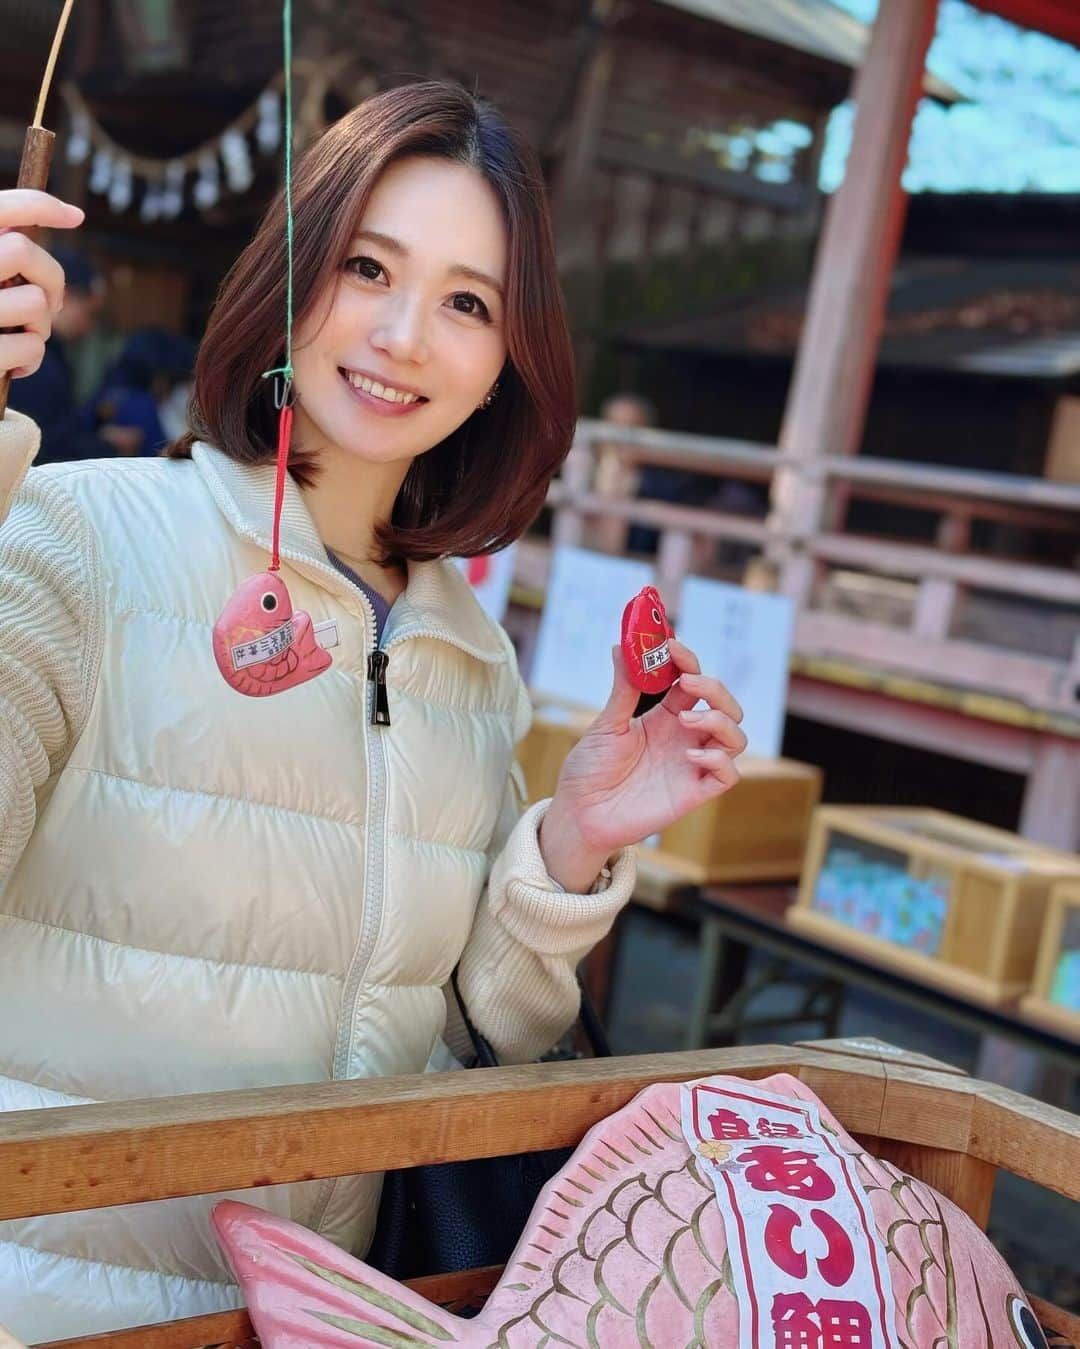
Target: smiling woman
{"points": [[202, 891], [424, 264]]}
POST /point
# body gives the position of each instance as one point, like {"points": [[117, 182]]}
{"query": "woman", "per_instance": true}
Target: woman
{"points": [[203, 891]]}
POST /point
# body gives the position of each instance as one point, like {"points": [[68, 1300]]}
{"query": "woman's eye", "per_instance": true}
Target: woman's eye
{"points": [[465, 302], [368, 268]]}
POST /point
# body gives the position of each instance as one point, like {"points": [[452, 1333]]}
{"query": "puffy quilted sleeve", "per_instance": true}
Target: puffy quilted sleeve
{"points": [[50, 632], [517, 975]]}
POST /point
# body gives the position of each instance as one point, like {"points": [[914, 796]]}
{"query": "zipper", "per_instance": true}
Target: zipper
{"points": [[373, 881], [376, 673]]}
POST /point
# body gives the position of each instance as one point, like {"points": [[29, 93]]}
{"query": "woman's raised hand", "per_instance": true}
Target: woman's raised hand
{"points": [[30, 303], [628, 778]]}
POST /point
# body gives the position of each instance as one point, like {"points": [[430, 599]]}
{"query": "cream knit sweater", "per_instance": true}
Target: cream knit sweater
{"points": [[200, 891]]}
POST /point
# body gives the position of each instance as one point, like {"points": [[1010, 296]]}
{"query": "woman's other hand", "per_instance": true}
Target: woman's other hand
{"points": [[31, 282], [628, 778]]}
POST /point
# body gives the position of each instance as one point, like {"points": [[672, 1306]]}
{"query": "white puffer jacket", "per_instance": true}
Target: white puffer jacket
{"points": [[201, 891]]}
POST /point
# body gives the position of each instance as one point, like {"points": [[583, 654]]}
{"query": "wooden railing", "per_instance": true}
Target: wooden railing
{"points": [[948, 1130], [942, 574]]}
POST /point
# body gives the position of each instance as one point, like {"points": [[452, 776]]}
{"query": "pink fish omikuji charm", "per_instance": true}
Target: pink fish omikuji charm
{"points": [[645, 635], [260, 645], [628, 1245]]}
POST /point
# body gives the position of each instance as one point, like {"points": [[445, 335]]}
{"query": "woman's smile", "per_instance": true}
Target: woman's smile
{"points": [[380, 396]]}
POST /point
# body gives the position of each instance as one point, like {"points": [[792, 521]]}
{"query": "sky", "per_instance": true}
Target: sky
{"points": [[1020, 132]]}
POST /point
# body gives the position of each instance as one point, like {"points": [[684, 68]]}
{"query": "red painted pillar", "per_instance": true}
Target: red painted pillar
{"points": [[834, 368]]}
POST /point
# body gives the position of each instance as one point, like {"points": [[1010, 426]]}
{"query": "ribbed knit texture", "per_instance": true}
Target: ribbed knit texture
{"points": [[50, 633]]}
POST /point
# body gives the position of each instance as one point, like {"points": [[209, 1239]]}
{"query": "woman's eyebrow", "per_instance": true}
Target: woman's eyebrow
{"points": [[395, 246]]}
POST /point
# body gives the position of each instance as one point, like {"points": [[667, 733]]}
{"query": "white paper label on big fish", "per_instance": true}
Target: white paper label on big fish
{"points": [[809, 1268], [263, 648]]}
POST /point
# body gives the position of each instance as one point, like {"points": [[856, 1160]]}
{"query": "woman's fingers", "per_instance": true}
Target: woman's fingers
{"points": [[692, 686], [26, 307], [684, 660], [31, 282], [701, 687], [21, 257], [715, 764], [23, 208], [715, 725], [20, 353]]}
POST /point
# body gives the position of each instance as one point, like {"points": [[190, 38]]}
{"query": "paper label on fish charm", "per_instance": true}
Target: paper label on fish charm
{"points": [[264, 648], [326, 633], [652, 660], [809, 1268]]}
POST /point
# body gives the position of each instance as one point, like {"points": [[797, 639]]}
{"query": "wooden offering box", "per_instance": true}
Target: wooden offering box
{"points": [[952, 1132], [757, 832], [1055, 995], [942, 898]]}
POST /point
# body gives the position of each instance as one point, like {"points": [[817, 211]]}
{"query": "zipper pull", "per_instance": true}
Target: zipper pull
{"points": [[376, 673]]}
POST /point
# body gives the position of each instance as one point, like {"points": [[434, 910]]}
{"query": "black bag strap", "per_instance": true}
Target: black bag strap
{"points": [[587, 1016]]}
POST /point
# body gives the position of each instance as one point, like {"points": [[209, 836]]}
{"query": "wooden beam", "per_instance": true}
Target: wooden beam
{"points": [[66, 1159], [826, 409]]}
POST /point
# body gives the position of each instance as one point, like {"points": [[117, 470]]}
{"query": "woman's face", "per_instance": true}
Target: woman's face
{"points": [[411, 337]]}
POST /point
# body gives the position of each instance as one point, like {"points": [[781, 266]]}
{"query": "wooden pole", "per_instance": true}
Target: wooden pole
{"points": [[834, 367]]}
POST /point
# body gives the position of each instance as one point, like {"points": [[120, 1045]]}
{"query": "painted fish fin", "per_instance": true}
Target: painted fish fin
{"points": [[302, 1289]]}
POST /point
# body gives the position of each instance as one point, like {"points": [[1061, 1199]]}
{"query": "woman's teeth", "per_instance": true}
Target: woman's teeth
{"points": [[383, 391]]}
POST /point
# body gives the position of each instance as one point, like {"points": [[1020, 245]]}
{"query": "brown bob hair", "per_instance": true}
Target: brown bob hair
{"points": [[477, 490]]}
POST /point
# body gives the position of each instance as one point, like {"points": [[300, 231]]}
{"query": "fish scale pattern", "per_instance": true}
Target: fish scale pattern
{"points": [[626, 1247]]}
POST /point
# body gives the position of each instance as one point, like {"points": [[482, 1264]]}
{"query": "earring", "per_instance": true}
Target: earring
{"points": [[489, 398]]}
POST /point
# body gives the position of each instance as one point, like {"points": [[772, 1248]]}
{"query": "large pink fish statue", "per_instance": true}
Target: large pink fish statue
{"points": [[721, 1214], [260, 645]]}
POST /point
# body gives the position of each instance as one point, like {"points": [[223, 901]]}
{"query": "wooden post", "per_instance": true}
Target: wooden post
{"points": [[1051, 808], [826, 408], [673, 561], [936, 599], [568, 525], [571, 196]]}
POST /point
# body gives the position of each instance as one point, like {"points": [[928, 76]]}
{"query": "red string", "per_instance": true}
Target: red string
{"points": [[284, 437]]}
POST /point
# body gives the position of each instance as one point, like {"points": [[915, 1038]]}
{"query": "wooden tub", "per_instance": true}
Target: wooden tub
{"points": [[933, 1122]]}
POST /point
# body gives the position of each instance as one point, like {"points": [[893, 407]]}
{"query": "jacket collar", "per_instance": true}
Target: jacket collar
{"points": [[437, 601]]}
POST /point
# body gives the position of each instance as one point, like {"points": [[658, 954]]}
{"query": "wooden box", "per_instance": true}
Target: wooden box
{"points": [[1055, 993], [942, 1127], [941, 898], [757, 832]]}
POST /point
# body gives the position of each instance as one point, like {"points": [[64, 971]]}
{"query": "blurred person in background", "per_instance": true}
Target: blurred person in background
{"points": [[146, 390], [618, 473], [48, 395]]}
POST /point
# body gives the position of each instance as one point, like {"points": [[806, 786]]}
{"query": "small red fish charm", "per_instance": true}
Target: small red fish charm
{"points": [[260, 645], [645, 634]]}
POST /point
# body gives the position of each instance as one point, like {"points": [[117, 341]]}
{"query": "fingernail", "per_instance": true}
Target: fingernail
{"points": [[695, 754], [691, 717]]}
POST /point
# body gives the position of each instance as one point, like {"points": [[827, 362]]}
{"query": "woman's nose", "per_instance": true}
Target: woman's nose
{"points": [[400, 330]]}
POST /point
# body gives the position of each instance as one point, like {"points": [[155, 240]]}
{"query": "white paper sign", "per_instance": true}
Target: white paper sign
{"points": [[582, 619], [808, 1265], [490, 578], [743, 637]]}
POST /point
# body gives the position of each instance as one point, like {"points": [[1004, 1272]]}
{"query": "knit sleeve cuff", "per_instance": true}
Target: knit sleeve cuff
{"points": [[19, 441], [536, 911]]}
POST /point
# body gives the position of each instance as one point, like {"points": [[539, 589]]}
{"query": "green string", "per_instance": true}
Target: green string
{"points": [[286, 370]]}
